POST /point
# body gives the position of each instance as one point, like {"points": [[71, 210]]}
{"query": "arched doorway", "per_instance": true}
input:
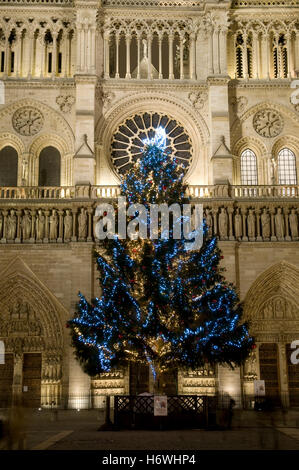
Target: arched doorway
{"points": [[8, 167], [271, 307], [49, 167], [31, 331]]}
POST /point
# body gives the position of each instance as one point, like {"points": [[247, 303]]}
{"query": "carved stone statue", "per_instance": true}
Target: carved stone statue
{"points": [[293, 218], [26, 225], [251, 224], [209, 222], [144, 43], [238, 224], [24, 170], [279, 224], [11, 225], [82, 222], [1, 224], [53, 225], [40, 225], [68, 225], [265, 219], [223, 223]]}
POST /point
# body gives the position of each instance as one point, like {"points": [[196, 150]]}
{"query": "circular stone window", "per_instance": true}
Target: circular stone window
{"points": [[127, 141]]}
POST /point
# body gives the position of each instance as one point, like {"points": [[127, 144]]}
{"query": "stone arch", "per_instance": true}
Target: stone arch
{"points": [[7, 139], [30, 322], [54, 126], [260, 150], [280, 281], [271, 308], [40, 143], [191, 119]]}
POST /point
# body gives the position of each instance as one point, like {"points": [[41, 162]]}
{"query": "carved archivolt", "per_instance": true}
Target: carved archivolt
{"points": [[9, 139], [253, 143], [288, 141], [271, 304], [29, 317]]}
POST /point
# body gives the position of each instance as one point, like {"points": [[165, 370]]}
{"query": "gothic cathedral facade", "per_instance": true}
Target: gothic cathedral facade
{"points": [[82, 82]]}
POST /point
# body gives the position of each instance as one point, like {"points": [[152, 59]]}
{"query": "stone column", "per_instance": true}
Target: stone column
{"points": [[32, 238], [244, 213], [273, 237], [128, 56], [286, 219], [255, 55], [170, 45], [18, 50], [106, 54], [74, 212], [289, 52], [18, 239], [258, 225], [54, 54], [149, 55], [215, 220], [65, 61], [160, 57], [5, 214], [60, 227], [283, 374], [181, 57], [90, 213], [245, 61], [230, 211], [31, 51], [192, 60], [79, 32], [138, 55], [211, 52], [46, 239], [223, 51], [93, 50], [117, 55]]}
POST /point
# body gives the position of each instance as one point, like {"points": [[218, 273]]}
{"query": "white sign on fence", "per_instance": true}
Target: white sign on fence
{"points": [[160, 405], [259, 388]]}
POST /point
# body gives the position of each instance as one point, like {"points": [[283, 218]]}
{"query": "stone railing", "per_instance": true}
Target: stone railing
{"points": [[65, 221], [153, 3], [37, 2], [110, 192]]}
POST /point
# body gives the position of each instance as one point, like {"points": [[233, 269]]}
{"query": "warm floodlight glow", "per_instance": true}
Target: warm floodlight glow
{"points": [[159, 140]]}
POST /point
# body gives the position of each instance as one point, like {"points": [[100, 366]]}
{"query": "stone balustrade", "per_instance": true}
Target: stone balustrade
{"points": [[260, 192]]}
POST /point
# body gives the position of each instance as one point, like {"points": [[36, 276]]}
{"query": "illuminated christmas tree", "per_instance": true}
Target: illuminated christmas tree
{"points": [[162, 303]]}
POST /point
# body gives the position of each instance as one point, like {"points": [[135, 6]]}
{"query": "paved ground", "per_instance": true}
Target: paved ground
{"points": [[72, 430]]}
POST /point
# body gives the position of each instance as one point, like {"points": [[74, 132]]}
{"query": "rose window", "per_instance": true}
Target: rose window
{"points": [[128, 140], [27, 121], [268, 123]]}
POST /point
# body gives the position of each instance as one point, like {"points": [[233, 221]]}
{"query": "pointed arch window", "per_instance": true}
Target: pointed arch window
{"points": [[248, 167], [287, 173]]}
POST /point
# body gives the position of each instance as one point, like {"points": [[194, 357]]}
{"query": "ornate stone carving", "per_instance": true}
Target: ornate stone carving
{"points": [[293, 218], [268, 123], [11, 225], [27, 121], [265, 220], [19, 321], [68, 225], [199, 99], [279, 224], [238, 224], [239, 104], [278, 308], [65, 102], [223, 224], [26, 225], [40, 225], [250, 372], [82, 225]]}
